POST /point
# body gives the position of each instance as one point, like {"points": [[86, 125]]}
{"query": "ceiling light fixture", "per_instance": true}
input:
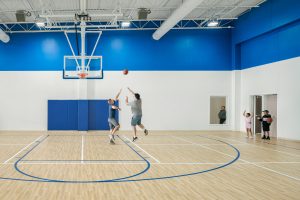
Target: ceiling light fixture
{"points": [[213, 23], [125, 24]]}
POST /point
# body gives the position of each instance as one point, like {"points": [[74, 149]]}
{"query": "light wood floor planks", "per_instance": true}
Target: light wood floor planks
{"points": [[80, 165]]}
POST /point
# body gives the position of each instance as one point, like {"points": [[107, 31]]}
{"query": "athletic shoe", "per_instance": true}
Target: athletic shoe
{"points": [[146, 132], [268, 138], [111, 141], [134, 139], [264, 137], [113, 137]]}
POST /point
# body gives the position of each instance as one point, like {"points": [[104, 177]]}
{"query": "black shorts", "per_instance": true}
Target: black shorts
{"points": [[266, 127]]}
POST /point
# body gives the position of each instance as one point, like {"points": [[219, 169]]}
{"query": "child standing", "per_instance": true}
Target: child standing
{"points": [[266, 121], [248, 124]]}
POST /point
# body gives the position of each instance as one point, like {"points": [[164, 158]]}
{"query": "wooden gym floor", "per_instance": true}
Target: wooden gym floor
{"points": [[164, 165]]}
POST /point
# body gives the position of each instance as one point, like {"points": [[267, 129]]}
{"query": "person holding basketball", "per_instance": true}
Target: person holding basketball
{"points": [[113, 123], [136, 109], [266, 121]]}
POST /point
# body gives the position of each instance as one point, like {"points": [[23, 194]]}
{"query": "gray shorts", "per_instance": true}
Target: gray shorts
{"points": [[112, 123], [136, 120]]}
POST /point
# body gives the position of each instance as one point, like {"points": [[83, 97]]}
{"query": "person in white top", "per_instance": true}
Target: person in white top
{"points": [[248, 124]]}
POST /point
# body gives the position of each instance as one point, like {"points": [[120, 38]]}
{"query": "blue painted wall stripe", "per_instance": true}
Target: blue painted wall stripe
{"points": [[135, 50]]}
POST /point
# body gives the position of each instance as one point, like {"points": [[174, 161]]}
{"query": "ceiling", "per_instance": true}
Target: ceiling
{"points": [[160, 9]]}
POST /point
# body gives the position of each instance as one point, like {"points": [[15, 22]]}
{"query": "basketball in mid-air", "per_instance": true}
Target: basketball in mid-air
{"points": [[125, 71]]}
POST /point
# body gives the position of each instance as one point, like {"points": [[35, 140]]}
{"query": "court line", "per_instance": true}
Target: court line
{"points": [[142, 150], [291, 154], [297, 179], [82, 149], [12, 144], [81, 160], [23, 149], [41, 179], [280, 145], [139, 163], [185, 144], [136, 180]]}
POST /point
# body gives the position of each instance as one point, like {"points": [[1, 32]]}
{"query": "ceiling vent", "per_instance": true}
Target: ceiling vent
{"points": [[21, 15], [143, 13]]}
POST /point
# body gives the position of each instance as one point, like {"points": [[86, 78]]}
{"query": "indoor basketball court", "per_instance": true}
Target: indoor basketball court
{"points": [[138, 99]]}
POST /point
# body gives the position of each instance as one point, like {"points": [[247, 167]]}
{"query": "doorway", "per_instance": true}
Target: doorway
{"points": [[257, 109], [270, 103]]}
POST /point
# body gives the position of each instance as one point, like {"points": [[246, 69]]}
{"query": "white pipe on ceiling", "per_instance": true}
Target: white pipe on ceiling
{"points": [[83, 6], [175, 17], [4, 37], [91, 15]]}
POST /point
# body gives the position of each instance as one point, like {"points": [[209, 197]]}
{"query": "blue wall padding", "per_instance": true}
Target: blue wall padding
{"points": [[79, 115], [83, 115], [62, 115], [98, 114]]}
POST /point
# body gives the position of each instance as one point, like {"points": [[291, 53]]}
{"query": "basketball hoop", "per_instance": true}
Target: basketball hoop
{"points": [[82, 75]]}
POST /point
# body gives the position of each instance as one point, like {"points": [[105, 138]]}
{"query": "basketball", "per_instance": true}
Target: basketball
{"points": [[125, 71]]}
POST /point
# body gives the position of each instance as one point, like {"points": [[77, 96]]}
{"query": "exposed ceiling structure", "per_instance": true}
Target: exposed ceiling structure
{"points": [[109, 14]]}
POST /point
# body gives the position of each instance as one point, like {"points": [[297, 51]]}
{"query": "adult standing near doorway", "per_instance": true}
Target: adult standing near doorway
{"points": [[222, 115]]}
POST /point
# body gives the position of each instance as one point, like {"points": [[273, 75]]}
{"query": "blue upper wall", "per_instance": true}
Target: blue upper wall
{"points": [[267, 34], [135, 50]]}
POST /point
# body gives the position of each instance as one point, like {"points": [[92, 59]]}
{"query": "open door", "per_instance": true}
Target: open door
{"points": [[257, 112]]}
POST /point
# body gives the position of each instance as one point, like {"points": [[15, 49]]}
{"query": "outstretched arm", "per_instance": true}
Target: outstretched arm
{"points": [[127, 102], [131, 91], [117, 97]]}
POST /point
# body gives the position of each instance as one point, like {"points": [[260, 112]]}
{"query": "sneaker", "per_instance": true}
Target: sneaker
{"points": [[264, 137], [268, 138], [111, 141], [134, 139], [146, 132], [113, 137]]}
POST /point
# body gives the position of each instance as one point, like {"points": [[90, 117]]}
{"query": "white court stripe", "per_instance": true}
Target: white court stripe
{"points": [[291, 154], [207, 144], [23, 149], [140, 163], [297, 179], [142, 150], [82, 149], [12, 144]]}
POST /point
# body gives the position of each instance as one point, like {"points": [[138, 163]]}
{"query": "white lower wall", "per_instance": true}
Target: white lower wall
{"points": [[171, 100], [281, 78]]}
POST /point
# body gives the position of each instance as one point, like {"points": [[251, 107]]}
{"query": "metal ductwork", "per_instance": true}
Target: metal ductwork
{"points": [[187, 7], [21, 15], [4, 37], [143, 13]]}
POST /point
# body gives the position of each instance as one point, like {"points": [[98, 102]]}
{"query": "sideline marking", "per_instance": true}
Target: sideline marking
{"points": [[297, 179], [156, 160], [23, 149], [82, 149]]}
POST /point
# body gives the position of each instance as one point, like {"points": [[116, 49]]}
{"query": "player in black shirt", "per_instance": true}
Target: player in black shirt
{"points": [[266, 121]]}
